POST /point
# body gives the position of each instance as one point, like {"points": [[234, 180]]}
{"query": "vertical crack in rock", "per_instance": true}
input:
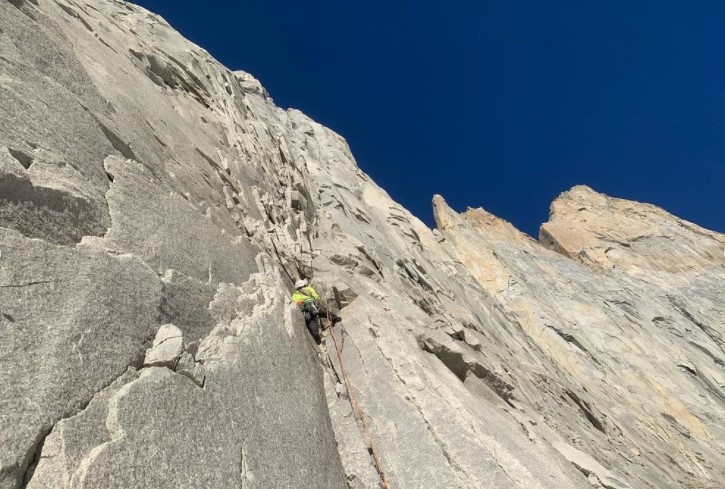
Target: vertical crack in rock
{"points": [[410, 398], [244, 468], [33, 461]]}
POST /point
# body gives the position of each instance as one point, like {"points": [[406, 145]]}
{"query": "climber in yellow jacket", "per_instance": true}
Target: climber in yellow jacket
{"points": [[308, 300]]}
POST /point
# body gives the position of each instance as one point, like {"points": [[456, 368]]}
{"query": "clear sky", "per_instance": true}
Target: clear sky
{"points": [[497, 104]]}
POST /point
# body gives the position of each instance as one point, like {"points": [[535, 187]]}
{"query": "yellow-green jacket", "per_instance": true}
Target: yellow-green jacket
{"points": [[305, 294]]}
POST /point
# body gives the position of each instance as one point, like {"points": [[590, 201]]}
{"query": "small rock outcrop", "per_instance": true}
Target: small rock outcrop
{"points": [[155, 211], [166, 349]]}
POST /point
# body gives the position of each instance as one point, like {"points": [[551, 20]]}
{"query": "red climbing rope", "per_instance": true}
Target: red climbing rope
{"points": [[356, 409]]}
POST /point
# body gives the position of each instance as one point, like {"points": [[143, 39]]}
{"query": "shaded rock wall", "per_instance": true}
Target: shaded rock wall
{"points": [[142, 185]]}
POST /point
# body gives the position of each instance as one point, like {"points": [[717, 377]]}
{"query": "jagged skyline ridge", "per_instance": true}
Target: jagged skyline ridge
{"points": [[526, 100]]}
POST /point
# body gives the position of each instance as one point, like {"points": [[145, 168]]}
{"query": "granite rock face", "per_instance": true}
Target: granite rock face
{"points": [[604, 232], [129, 161], [155, 210], [166, 349], [625, 302]]}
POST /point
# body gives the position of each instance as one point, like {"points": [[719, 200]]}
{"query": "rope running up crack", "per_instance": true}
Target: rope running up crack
{"points": [[357, 410]]}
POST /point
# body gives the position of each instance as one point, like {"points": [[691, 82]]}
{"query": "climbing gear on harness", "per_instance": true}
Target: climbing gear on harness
{"points": [[309, 309], [357, 410], [308, 301]]}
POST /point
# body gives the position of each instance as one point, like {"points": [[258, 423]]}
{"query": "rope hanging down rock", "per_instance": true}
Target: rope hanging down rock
{"points": [[356, 409]]}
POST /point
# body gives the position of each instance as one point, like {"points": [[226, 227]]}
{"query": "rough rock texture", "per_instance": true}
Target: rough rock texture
{"points": [[254, 423], [128, 160], [630, 330], [144, 185], [166, 349]]}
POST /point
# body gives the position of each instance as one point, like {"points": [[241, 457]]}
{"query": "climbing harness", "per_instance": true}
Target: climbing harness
{"points": [[356, 409]]}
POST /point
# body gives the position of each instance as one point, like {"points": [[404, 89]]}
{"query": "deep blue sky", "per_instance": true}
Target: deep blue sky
{"points": [[498, 104]]}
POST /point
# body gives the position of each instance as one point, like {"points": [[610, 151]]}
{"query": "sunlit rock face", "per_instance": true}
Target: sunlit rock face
{"points": [[641, 239], [624, 302], [155, 209]]}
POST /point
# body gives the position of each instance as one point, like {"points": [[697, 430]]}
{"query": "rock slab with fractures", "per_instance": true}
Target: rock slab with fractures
{"points": [[155, 210]]}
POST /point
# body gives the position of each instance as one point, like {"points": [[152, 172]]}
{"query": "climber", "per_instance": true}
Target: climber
{"points": [[308, 301]]}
